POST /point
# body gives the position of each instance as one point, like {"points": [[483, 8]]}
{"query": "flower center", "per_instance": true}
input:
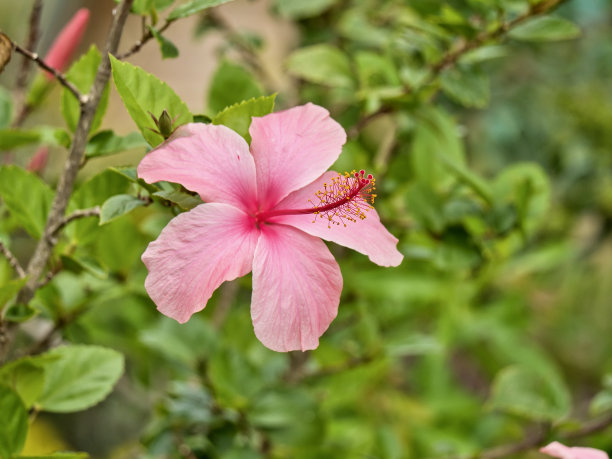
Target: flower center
{"points": [[346, 199]]}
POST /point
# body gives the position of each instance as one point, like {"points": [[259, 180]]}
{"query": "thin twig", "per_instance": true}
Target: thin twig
{"points": [[82, 98], [244, 48], [24, 70], [451, 57], [12, 260], [591, 427], [530, 442], [83, 213], [543, 435], [145, 37]]}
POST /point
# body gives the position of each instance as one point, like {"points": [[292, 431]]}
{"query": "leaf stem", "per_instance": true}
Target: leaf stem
{"points": [[12, 260], [82, 98], [146, 36], [82, 213]]}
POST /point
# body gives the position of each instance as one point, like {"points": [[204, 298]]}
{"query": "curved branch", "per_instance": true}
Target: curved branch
{"points": [[56, 216], [146, 36], [82, 98]]}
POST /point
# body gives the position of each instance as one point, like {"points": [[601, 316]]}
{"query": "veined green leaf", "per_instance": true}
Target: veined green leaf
{"points": [[238, 116], [27, 197], [323, 64], [545, 28], [118, 205], [79, 377], [231, 84], [193, 7], [142, 93], [14, 422]]}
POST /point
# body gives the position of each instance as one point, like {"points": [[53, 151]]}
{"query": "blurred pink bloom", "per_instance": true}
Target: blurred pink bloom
{"points": [[556, 449], [38, 161], [63, 48], [266, 210]]}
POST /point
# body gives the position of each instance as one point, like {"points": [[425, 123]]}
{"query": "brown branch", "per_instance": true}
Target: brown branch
{"points": [[24, 70], [591, 427], [56, 218], [543, 435], [146, 36], [12, 260], [82, 98], [451, 57], [533, 441], [82, 213]]}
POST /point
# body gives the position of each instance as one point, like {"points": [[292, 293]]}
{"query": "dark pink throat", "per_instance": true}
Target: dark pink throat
{"points": [[345, 198]]}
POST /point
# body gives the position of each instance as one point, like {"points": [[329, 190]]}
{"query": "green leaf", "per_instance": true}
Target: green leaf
{"points": [[93, 192], [468, 87], [9, 289], [79, 377], [142, 7], [27, 197], [131, 174], [300, 9], [601, 403], [82, 74], [167, 48], [26, 377], [19, 312], [238, 116], [13, 138], [527, 187], [235, 380], [323, 64], [142, 93], [426, 206], [375, 70], [193, 7], [180, 198], [62, 455], [484, 53], [231, 84], [13, 422], [117, 206], [107, 143], [81, 263], [538, 396], [6, 107], [545, 28]]}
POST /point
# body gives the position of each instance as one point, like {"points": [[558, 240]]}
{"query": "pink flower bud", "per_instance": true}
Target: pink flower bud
{"points": [[65, 44], [38, 162]]}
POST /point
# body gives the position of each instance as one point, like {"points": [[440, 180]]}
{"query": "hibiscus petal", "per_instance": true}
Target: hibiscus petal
{"points": [[292, 148], [194, 254], [367, 236], [556, 449], [213, 161], [296, 289]]}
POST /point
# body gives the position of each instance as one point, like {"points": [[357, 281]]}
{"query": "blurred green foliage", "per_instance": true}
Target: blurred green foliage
{"points": [[486, 124]]}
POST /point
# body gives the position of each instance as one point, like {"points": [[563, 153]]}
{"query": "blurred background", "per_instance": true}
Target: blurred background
{"points": [[493, 171]]}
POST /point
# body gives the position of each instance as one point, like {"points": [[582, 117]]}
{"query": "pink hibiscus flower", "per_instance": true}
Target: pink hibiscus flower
{"points": [[265, 211], [556, 449]]}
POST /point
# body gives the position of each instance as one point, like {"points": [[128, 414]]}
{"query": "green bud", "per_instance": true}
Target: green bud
{"points": [[165, 124]]}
